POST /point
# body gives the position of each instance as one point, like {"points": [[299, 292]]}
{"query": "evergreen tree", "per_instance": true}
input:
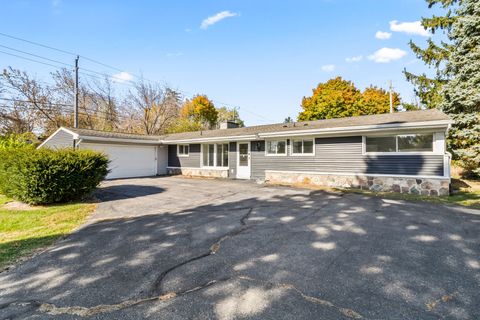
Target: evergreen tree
{"points": [[461, 94], [434, 55]]}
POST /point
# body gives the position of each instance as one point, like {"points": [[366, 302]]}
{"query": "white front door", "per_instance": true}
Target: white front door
{"points": [[243, 160]]}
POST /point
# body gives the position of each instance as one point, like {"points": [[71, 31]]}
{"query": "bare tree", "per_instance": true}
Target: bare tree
{"points": [[31, 103], [155, 107], [97, 106]]}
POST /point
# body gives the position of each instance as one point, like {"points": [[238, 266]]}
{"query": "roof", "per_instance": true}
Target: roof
{"points": [[83, 133], [392, 120]]}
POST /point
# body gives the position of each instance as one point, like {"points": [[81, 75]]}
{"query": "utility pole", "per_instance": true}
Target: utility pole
{"points": [[75, 111], [391, 97]]}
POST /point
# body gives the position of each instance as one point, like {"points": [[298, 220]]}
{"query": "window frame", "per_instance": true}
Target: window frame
{"points": [[215, 154], [267, 154], [182, 155], [435, 149], [303, 154]]}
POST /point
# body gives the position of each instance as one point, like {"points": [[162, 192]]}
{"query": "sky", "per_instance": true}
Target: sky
{"points": [[261, 56]]}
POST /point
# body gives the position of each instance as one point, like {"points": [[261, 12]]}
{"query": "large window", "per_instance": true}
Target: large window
{"points": [[275, 147], [215, 155], [415, 142], [400, 143], [302, 147], [381, 144], [182, 150]]}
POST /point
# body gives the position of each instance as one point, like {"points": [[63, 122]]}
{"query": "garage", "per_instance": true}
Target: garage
{"points": [[130, 155], [127, 161]]}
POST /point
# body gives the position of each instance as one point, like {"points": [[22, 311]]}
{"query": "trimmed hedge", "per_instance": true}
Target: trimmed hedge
{"points": [[44, 176]]}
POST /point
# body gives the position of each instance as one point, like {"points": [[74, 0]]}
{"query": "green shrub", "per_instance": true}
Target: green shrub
{"points": [[42, 176], [21, 140]]}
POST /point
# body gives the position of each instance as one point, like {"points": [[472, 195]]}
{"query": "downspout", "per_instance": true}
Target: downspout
{"points": [[447, 158], [76, 143]]}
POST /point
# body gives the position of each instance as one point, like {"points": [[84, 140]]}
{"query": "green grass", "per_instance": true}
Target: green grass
{"points": [[466, 193], [462, 198], [22, 232]]}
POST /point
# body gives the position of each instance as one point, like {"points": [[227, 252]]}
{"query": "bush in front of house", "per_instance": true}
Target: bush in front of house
{"points": [[42, 176]]}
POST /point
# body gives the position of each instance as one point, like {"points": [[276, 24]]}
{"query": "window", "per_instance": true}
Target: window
{"points": [[400, 143], [415, 142], [276, 147], [182, 150], [304, 146], [381, 144], [222, 155], [215, 155]]}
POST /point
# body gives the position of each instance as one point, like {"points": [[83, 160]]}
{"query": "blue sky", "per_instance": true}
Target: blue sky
{"points": [[262, 56]]}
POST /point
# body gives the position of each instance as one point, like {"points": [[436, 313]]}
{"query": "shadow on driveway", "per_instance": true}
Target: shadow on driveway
{"points": [[260, 253]]}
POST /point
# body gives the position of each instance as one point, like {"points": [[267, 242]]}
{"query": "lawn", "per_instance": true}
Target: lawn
{"points": [[23, 232], [465, 193]]}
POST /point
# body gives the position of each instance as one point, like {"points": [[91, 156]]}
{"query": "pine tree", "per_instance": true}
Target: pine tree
{"points": [[461, 94], [434, 55]]}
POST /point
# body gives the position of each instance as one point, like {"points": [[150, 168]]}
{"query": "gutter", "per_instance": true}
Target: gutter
{"points": [[326, 131]]}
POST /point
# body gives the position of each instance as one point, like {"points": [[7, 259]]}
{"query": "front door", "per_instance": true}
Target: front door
{"points": [[243, 160]]}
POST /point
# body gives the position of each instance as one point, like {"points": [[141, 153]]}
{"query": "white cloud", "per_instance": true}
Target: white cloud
{"points": [[382, 35], [216, 18], [386, 55], [415, 28], [328, 68], [122, 77], [354, 59]]}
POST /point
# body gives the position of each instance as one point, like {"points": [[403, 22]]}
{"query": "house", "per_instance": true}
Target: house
{"points": [[401, 152]]}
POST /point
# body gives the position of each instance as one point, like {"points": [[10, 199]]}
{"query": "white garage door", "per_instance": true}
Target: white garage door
{"points": [[127, 161]]}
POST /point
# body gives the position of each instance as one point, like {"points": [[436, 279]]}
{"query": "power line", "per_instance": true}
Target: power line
{"points": [[32, 60], [186, 93], [36, 43], [35, 55], [36, 102]]}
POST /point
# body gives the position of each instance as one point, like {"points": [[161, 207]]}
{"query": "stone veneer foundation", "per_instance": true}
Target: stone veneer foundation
{"points": [[199, 172], [420, 186]]}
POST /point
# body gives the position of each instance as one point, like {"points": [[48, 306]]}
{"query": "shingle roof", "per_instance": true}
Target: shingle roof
{"points": [[379, 119], [118, 135]]}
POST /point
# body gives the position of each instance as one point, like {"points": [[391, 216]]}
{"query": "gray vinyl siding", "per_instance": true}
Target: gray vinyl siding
{"points": [[162, 159], [344, 155], [232, 160], [60, 140], [192, 161]]}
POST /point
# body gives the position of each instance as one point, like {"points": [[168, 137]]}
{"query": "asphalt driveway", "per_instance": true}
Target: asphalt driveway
{"points": [[176, 248]]}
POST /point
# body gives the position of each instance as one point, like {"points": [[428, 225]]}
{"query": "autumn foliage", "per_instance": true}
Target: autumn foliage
{"points": [[339, 98]]}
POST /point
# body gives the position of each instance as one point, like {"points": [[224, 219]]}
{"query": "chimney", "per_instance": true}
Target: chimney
{"points": [[229, 124]]}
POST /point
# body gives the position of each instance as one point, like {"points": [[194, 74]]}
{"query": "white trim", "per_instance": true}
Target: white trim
{"points": [[401, 153], [105, 139], [156, 160], [432, 125], [276, 154], [249, 158], [200, 168], [183, 155], [447, 160], [74, 136], [212, 140], [215, 152], [415, 125], [360, 174], [293, 154]]}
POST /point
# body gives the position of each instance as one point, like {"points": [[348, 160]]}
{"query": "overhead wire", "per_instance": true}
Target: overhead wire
{"points": [[124, 82]]}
